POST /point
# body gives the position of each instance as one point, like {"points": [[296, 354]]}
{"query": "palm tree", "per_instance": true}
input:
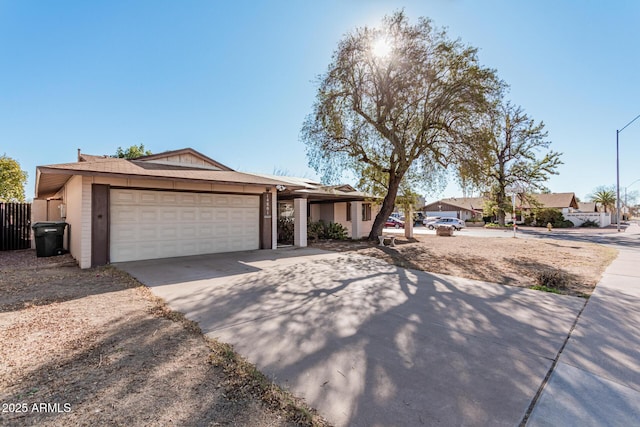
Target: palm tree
{"points": [[606, 198]]}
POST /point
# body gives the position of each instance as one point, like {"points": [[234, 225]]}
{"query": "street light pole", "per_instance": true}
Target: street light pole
{"points": [[618, 171], [618, 180]]}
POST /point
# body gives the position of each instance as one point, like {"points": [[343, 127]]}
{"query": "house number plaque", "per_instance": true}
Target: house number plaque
{"points": [[267, 205]]}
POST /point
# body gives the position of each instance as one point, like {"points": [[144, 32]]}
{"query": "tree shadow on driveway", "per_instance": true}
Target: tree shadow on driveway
{"points": [[369, 343]]}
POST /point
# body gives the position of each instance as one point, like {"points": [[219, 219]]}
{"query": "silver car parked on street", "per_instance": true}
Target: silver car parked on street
{"points": [[456, 223]]}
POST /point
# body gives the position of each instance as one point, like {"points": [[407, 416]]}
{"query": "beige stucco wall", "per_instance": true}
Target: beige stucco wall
{"points": [[337, 212], [368, 225], [340, 216], [38, 211], [72, 198], [314, 212]]}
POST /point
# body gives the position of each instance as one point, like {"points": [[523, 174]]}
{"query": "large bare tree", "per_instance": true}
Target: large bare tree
{"points": [[397, 101]]}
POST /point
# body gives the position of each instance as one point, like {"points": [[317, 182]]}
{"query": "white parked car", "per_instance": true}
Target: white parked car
{"points": [[456, 223]]}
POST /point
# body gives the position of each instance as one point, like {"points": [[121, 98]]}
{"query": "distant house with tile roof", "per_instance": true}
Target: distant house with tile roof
{"points": [[565, 202], [467, 208], [588, 207]]}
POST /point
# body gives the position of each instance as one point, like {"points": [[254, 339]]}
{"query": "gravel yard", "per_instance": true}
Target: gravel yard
{"points": [[95, 348], [514, 262]]}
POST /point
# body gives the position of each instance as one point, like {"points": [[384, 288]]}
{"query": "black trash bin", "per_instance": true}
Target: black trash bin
{"points": [[49, 238]]}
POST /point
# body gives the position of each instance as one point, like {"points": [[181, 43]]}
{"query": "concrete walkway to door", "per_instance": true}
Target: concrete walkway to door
{"points": [[368, 343]]}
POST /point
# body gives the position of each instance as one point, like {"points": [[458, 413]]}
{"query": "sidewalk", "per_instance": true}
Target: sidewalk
{"points": [[596, 381]]}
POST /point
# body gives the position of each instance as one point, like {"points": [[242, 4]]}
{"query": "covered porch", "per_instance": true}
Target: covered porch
{"points": [[354, 211]]}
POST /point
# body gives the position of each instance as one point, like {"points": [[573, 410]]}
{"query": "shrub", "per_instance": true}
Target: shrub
{"points": [[554, 279], [590, 223], [315, 230], [553, 216], [528, 220], [335, 231], [285, 231], [566, 223], [495, 225], [548, 215], [320, 230]]}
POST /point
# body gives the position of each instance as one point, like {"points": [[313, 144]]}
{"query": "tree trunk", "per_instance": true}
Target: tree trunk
{"points": [[387, 208], [501, 214]]}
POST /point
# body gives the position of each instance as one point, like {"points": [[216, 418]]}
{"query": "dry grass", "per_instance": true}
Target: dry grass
{"points": [[515, 262], [100, 342]]}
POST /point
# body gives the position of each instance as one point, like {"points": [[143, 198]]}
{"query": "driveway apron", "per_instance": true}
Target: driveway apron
{"points": [[368, 343]]}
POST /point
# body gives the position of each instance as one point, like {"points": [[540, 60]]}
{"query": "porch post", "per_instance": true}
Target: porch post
{"points": [[356, 220], [300, 222], [267, 218], [274, 219]]}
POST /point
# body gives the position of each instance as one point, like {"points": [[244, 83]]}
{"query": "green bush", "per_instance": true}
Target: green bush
{"points": [[548, 215], [495, 225], [335, 231], [332, 231], [528, 220], [590, 223], [315, 230], [285, 231], [553, 216]]}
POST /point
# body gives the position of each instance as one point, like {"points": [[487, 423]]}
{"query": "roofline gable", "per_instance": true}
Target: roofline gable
{"points": [[191, 151]]}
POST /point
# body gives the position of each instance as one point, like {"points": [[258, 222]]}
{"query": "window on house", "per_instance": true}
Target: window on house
{"points": [[348, 211], [366, 211]]}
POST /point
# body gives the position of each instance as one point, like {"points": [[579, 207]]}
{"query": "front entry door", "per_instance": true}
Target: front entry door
{"points": [[99, 225]]}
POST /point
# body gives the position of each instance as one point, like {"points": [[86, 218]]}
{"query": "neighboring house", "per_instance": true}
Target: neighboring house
{"points": [[577, 213], [464, 208], [175, 203], [588, 207], [564, 202]]}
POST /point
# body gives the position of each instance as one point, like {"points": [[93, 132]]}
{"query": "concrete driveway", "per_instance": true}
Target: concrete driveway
{"points": [[368, 343]]}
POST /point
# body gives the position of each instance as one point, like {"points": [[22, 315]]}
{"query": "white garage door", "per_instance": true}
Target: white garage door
{"points": [[162, 224]]}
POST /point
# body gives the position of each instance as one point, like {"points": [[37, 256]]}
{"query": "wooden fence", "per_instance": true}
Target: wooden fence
{"points": [[15, 226]]}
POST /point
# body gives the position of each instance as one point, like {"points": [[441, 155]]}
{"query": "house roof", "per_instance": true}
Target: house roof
{"points": [[550, 200], [51, 178], [172, 156], [295, 181], [554, 200], [328, 193], [587, 206], [316, 191], [465, 203]]}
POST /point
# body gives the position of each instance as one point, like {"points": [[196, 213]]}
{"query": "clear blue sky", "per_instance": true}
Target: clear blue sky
{"points": [[235, 79]]}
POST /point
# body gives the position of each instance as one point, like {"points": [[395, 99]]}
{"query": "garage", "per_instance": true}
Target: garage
{"points": [[146, 224]]}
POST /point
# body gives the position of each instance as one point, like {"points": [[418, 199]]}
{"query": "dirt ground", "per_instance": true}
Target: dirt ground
{"points": [[514, 262], [93, 347]]}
